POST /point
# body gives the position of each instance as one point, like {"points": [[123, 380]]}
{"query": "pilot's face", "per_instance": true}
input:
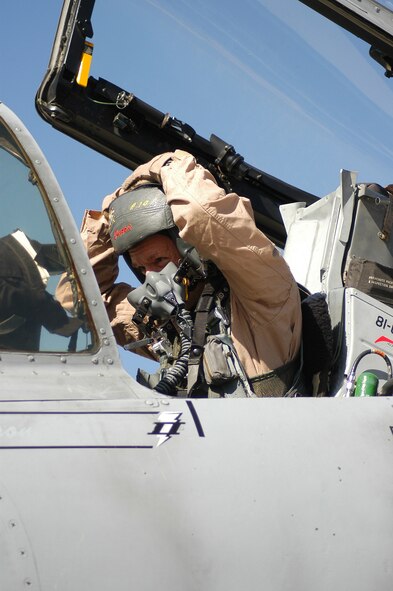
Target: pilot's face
{"points": [[154, 253]]}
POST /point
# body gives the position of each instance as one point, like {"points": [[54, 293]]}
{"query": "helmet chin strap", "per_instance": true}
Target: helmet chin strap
{"points": [[140, 276]]}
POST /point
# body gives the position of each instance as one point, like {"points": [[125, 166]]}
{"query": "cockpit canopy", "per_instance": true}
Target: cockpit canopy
{"points": [[35, 268]]}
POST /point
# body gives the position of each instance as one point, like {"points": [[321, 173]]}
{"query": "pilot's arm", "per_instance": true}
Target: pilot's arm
{"points": [[265, 303]]}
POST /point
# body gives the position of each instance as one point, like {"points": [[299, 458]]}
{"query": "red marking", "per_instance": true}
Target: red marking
{"points": [[124, 230], [384, 340]]}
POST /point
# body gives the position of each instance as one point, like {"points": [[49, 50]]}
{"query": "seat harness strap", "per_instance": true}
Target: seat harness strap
{"points": [[203, 308]]}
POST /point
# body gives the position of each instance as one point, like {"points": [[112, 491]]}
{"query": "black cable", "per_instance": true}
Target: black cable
{"points": [[175, 374]]}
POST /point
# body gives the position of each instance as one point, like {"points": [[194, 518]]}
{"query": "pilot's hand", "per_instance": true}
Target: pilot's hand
{"points": [[68, 328]]}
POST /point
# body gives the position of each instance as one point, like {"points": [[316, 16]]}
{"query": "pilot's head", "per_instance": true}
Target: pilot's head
{"points": [[142, 229]]}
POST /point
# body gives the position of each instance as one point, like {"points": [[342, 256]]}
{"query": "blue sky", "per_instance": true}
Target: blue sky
{"points": [[262, 75]]}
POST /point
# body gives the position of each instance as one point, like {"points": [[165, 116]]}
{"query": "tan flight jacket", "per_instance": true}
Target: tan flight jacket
{"points": [[265, 304]]}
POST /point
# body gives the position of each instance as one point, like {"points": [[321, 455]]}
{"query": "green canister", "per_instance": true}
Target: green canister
{"points": [[366, 384]]}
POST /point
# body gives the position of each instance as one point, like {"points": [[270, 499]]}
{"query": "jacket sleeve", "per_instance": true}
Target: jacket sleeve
{"points": [[265, 304]]}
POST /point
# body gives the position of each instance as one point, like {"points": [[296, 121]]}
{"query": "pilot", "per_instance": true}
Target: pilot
{"points": [[26, 306], [170, 208]]}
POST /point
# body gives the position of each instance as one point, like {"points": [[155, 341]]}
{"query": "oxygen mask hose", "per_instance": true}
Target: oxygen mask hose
{"points": [[176, 374], [162, 298]]}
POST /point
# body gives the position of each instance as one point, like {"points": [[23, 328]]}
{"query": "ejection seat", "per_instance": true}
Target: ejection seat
{"points": [[342, 246]]}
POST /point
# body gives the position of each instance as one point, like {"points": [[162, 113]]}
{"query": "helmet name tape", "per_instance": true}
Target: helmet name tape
{"points": [[118, 233], [136, 204]]}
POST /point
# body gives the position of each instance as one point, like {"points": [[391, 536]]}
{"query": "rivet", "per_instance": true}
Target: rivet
{"points": [[93, 303], [17, 129], [63, 359], [72, 240], [55, 199], [37, 161], [110, 361], [102, 331], [83, 271], [149, 402], [30, 357], [166, 402], [94, 360], [106, 342]]}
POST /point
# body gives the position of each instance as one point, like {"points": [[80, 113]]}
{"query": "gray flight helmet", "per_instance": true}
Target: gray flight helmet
{"points": [[140, 213]]}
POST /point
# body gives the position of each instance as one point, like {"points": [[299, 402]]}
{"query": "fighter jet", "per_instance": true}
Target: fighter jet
{"points": [[105, 483]]}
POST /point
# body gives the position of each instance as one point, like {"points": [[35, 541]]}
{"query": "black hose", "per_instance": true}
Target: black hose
{"points": [[175, 374], [350, 387]]}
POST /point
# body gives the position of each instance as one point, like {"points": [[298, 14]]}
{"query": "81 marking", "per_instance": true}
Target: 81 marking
{"points": [[382, 322]]}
